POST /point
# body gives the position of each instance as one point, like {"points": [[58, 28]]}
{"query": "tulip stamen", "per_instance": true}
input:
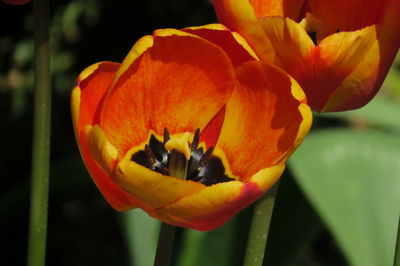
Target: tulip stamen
{"points": [[206, 157], [150, 154], [203, 167], [166, 135], [196, 139]]}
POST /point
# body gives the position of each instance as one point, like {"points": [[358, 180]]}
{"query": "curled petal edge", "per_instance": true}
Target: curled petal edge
{"points": [[116, 197], [214, 205]]}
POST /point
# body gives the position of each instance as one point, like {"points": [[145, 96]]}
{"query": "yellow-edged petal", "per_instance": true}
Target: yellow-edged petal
{"points": [[137, 50], [155, 189], [239, 15], [86, 98], [233, 44], [281, 8], [171, 84], [214, 205], [333, 62], [262, 119], [101, 150], [365, 79], [290, 42], [335, 66]]}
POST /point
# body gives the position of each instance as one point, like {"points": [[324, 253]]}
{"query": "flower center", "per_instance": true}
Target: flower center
{"points": [[171, 158]]}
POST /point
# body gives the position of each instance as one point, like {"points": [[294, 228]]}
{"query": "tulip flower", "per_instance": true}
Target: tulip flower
{"points": [[190, 127], [339, 51]]}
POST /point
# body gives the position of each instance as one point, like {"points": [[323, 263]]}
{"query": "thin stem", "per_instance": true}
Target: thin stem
{"points": [[41, 136], [177, 168], [397, 250], [258, 234], [164, 246]]}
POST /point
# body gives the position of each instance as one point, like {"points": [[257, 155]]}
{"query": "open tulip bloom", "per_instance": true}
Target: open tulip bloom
{"points": [[339, 51], [191, 128]]}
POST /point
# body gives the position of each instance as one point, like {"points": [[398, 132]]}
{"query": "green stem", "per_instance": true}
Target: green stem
{"points": [[41, 136], [258, 234], [178, 168], [397, 250], [164, 246]]}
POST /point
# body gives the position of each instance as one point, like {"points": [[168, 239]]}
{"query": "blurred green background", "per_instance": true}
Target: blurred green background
{"points": [[338, 201]]}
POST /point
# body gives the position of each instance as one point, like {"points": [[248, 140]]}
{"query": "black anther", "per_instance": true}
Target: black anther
{"points": [[196, 139], [166, 135], [150, 154], [206, 156]]}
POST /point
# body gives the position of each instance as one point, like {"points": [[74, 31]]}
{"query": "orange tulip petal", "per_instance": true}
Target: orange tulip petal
{"points": [[361, 85], [237, 50], [348, 15], [100, 148], [327, 68], [239, 15], [281, 8], [214, 205], [377, 45], [262, 119], [155, 189], [211, 132], [290, 42], [92, 85], [85, 102], [171, 84], [333, 61]]}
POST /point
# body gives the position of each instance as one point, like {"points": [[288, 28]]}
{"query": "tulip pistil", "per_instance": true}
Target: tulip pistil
{"points": [[190, 163], [177, 164]]}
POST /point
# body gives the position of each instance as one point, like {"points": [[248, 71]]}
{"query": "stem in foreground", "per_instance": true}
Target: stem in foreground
{"points": [[397, 250], [258, 234], [178, 168], [41, 136], [164, 246]]}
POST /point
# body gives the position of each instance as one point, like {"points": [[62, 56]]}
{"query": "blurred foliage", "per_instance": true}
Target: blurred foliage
{"points": [[310, 216], [141, 234], [353, 180]]}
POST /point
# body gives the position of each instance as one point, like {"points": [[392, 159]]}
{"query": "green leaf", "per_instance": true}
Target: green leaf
{"points": [[353, 180], [379, 112], [208, 248], [141, 233], [392, 80], [294, 225]]}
